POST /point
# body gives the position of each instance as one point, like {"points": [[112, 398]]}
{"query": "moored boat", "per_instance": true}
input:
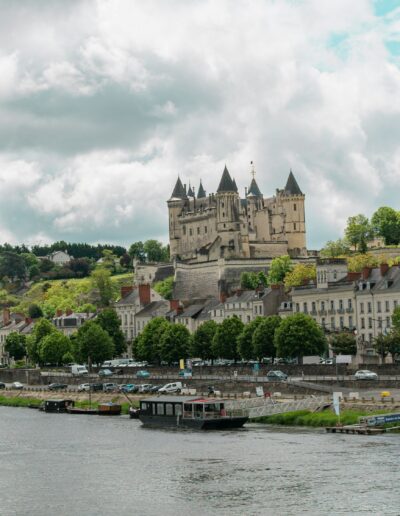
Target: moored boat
{"points": [[81, 410], [56, 405], [189, 412], [109, 409], [134, 412]]}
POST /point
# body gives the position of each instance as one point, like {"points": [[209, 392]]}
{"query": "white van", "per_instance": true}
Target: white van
{"points": [[170, 388], [79, 370]]}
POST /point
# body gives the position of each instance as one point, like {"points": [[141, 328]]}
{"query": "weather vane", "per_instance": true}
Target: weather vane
{"points": [[253, 170]]}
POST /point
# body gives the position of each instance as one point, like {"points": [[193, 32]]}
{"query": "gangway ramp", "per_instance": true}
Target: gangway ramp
{"points": [[259, 407]]}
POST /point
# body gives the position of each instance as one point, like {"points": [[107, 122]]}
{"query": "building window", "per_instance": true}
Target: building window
{"points": [[323, 322], [349, 303], [313, 306], [370, 337], [184, 230], [388, 322], [297, 307], [369, 307], [190, 231], [332, 305], [369, 322], [362, 322], [126, 319], [395, 303], [341, 323], [294, 208], [294, 226], [379, 307], [332, 323], [350, 322], [379, 322], [305, 309], [362, 308], [340, 304], [198, 231], [223, 214], [387, 308], [322, 305], [205, 229], [248, 318]]}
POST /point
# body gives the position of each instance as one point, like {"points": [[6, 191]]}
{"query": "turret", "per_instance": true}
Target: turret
{"points": [[227, 204], [176, 204], [292, 199]]}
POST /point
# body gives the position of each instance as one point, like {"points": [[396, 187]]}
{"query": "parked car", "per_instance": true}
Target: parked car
{"points": [[364, 374], [128, 387], [145, 387], [84, 387], [96, 387], [142, 374], [170, 388], [110, 387], [57, 386], [17, 385], [105, 372], [2, 385], [155, 388], [277, 376]]}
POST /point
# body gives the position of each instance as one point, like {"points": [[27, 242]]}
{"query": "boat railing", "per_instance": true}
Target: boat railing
{"points": [[223, 414]]}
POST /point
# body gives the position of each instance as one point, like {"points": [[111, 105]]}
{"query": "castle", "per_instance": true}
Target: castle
{"points": [[206, 228]]}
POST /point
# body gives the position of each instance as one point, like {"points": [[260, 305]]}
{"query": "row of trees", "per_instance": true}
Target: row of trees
{"points": [[149, 251], [295, 336], [100, 340]]}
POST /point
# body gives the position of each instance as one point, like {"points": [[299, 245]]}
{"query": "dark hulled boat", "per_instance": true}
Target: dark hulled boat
{"points": [[189, 412], [109, 409], [56, 405], [82, 410]]}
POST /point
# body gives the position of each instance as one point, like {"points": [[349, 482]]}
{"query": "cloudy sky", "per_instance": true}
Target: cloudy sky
{"points": [[103, 104]]}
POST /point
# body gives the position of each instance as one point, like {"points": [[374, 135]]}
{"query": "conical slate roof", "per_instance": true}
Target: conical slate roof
{"points": [[201, 192], [234, 185], [253, 189], [292, 188], [190, 192], [179, 191], [226, 184]]}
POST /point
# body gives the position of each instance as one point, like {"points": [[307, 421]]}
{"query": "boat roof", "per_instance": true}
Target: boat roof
{"points": [[180, 399]]}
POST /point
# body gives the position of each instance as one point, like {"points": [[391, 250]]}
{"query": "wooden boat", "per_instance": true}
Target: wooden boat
{"points": [[189, 412], [56, 405], [81, 410], [134, 412], [109, 409]]}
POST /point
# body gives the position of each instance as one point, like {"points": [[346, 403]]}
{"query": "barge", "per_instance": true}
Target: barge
{"points": [[189, 412]]}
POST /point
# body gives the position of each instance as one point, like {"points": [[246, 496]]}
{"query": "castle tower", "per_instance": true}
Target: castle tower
{"points": [[175, 206], [254, 200], [292, 199], [227, 204]]}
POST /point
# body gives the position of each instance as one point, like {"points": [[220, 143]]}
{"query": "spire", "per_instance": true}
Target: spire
{"points": [[292, 188], [253, 189], [226, 184], [190, 192], [201, 192], [179, 191], [235, 186]]}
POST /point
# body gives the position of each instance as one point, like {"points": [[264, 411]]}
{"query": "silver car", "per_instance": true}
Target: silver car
{"points": [[364, 374]]}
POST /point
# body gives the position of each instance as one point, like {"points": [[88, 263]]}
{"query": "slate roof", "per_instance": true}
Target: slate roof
{"points": [[253, 189], [179, 191], [226, 184], [201, 192], [190, 192], [292, 188], [129, 299], [152, 308]]}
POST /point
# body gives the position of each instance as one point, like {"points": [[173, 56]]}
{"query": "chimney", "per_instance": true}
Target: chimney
{"points": [[68, 311], [223, 296], [174, 304], [179, 310], [6, 316], [365, 273], [353, 276], [275, 286], [59, 313], [144, 294], [126, 290], [384, 268]]}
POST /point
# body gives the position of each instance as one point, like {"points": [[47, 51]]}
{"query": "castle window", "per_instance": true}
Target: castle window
{"points": [[190, 231], [222, 204], [294, 207], [205, 229], [223, 214], [294, 226], [184, 230], [198, 231]]}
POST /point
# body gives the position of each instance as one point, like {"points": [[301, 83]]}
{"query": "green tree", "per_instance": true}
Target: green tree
{"points": [[252, 280], [393, 343], [174, 343], [155, 251], [300, 274], [343, 344], [41, 329], [12, 265], [381, 346], [225, 339], [165, 288], [16, 345], [386, 223], [136, 251], [109, 321], [359, 232], [279, 267], [53, 347], [101, 281], [94, 342], [201, 341], [245, 339], [263, 338], [358, 262], [147, 344], [335, 248], [34, 272], [29, 259], [299, 335], [396, 319], [35, 311]]}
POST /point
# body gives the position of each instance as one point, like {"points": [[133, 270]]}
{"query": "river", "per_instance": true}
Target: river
{"points": [[59, 464]]}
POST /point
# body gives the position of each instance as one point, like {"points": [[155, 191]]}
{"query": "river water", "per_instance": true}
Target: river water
{"points": [[59, 464]]}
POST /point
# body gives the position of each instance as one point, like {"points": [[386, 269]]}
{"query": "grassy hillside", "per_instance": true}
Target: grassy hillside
{"points": [[76, 294]]}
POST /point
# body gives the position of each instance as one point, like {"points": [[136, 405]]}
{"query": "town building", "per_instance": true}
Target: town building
{"points": [[70, 322], [149, 312], [12, 322], [59, 258]]}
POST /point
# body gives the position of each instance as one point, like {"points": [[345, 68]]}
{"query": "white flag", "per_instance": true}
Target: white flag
{"points": [[336, 402]]}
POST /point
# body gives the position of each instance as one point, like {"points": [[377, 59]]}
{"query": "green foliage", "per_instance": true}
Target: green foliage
{"points": [[78, 250], [300, 274], [53, 348], [110, 322], [155, 251], [299, 335], [264, 337], [174, 343], [315, 419], [359, 232], [136, 251], [12, 265], [147, 344], [245, 339], [201, 341], [16, 345], [165, 287], [343, 344], [93, 342], [35, 311], [386, 223], [225, 338], [252, 280], [358, 262], [42, 329], [279, 267], [396, 318], [393, 343], [101, 281], [333, 249], [29, 259]]}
